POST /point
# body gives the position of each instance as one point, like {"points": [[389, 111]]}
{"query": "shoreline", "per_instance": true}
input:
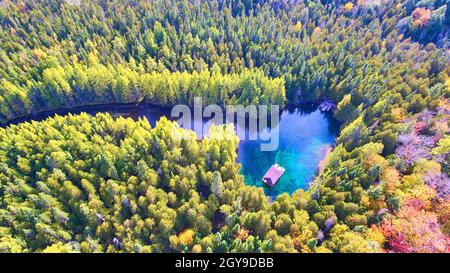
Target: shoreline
{"points": [[108, 107]]}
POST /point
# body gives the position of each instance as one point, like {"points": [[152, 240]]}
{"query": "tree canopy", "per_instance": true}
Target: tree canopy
{"points": [[82, 183]]}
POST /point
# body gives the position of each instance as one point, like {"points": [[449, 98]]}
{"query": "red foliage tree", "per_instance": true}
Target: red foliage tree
{"points": [[421, 16]]}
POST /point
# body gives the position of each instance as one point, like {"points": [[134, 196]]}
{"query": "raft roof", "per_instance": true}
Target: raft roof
{"points": [[273, 175]]}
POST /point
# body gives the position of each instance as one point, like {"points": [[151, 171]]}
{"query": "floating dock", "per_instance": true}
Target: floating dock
{"points": [[273, 175]]}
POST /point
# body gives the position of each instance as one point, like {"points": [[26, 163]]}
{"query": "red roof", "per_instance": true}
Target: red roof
{"points": [[273, 174]]}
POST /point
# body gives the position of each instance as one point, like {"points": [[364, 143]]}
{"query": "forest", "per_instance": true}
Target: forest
{"points": [[98, 183]]}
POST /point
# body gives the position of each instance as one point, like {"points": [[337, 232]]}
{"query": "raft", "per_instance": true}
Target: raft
{"points": [[273, 175]]}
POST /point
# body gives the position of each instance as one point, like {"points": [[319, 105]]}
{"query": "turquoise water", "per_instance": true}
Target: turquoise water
{"points": [[306, 134], [305, 138]]}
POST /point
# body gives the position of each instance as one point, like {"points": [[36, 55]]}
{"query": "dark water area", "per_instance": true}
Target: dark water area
{"points": [[133, 110], [305, 136]]}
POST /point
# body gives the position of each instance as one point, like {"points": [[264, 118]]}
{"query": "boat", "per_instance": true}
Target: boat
{"points": [[273, 175]]}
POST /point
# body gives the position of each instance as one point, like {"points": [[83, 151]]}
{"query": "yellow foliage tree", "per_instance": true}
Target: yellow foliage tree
{"points": [[186, 237], [348, 6]]}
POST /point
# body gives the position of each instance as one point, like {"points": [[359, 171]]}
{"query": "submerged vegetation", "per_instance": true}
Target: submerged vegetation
{"points": [[97, 183]]}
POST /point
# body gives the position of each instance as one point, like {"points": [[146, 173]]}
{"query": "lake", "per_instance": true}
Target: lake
{"points": [[306, 135]]}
